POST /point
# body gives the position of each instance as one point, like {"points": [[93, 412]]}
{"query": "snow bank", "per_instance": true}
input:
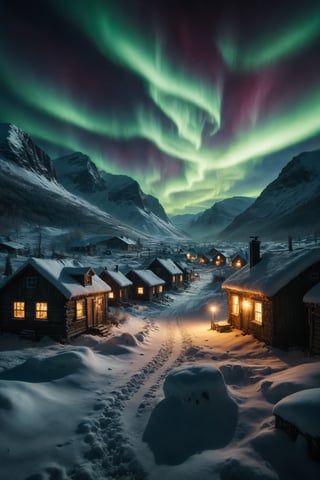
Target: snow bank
{"points": [[45, 369], [289, 381], [197, 414], [119, 344]]}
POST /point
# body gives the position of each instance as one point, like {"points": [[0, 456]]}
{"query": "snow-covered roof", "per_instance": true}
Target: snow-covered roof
{"points": [[313, 295], [301, 409], [59, 273], [127, 240], [149, 278], [118, 277], [273, 271], [169, 265], [14, 245]]}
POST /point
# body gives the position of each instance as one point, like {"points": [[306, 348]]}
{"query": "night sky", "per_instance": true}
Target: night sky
{"points": [[197, 100]]}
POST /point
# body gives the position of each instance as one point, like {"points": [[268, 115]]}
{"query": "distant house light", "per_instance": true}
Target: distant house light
{"points": [[238, 263], [140, 290]]}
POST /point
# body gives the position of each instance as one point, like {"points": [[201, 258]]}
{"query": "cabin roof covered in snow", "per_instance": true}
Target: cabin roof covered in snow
{"points": [[301, 409], [272, 272], [149, 278], [169, 265], [313, 295], [118, 277], [59, 273], [10, 244]]}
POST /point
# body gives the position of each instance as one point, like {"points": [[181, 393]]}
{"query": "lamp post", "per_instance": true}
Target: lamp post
{"points": [[213, 314]]}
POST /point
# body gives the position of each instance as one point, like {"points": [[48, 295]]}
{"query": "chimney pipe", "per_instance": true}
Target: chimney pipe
{"points": [[116, 268], [290, 243], [254, 251]]}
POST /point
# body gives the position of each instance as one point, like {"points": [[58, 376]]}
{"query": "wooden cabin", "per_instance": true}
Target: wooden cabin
{"points": [[56, 298], [312, 301], [14, 248], [146, 285], [238, 261], [218, 259], [168, 271], [123, 243], [265, 298], [203, 259], [191, 255], [292, 415], [119, 283], [188, 272]]}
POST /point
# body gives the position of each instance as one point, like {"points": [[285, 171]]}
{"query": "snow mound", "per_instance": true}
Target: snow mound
{"points": [[196, 384], [289, 381], [301, 409], [119, 344], [197, 414], [46, 369]]}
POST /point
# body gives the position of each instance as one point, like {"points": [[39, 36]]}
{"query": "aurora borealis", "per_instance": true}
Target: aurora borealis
{"points": [[197, 100]]}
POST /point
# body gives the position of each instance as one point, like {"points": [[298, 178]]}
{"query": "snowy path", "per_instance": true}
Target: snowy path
{"points": [[131, 403]]}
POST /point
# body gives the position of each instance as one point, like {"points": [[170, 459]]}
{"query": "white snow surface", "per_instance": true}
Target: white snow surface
{"points": [[162, 397], [273, 271], [59, 273], [302, 409], [313, 295]]}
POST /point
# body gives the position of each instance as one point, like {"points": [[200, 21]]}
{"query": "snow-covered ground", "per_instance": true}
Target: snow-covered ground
{"points": [[163, 397]]}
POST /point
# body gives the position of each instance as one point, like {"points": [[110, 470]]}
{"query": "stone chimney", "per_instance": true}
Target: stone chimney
{"points": [[254, 251]]}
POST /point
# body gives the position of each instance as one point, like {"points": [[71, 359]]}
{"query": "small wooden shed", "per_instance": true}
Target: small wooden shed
{"points": [[217, 258], [265, 298], [146, 285], [123, 243], [312, 301], [166, 269], [56, 298], [119, 283]]}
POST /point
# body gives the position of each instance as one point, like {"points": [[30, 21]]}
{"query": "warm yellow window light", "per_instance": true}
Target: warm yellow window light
{"points": [[111, 295], [18, 310], [140, 290], [41, 310]]}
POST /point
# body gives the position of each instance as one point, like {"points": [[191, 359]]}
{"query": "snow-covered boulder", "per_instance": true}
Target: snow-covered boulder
{"points": [[196, 414]]}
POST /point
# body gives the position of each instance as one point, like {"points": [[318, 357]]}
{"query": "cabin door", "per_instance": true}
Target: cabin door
{"points": [[91, 313]]}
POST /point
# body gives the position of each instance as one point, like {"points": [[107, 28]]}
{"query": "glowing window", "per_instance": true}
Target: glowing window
{"points": [[181, 278], [160, 288], [174, 278], [258, 312], [111, 295], [140, 290], [41, 311], [80, 308], [238, 263], [18, 310], [235, 304]]}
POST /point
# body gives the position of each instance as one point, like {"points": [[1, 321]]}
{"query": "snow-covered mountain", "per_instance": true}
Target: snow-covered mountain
{"points": [[116, 194], [288, 205], [31, 193], [212, 221], [19, 148]]}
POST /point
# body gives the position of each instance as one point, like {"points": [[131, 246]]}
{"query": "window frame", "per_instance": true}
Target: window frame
{"points": [[80, 312], [19, 306], [258, 312], [235, 305], [41, 311]]}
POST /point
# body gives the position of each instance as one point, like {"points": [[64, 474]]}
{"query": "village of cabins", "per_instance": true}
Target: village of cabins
{"points": [[274, 296]]}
